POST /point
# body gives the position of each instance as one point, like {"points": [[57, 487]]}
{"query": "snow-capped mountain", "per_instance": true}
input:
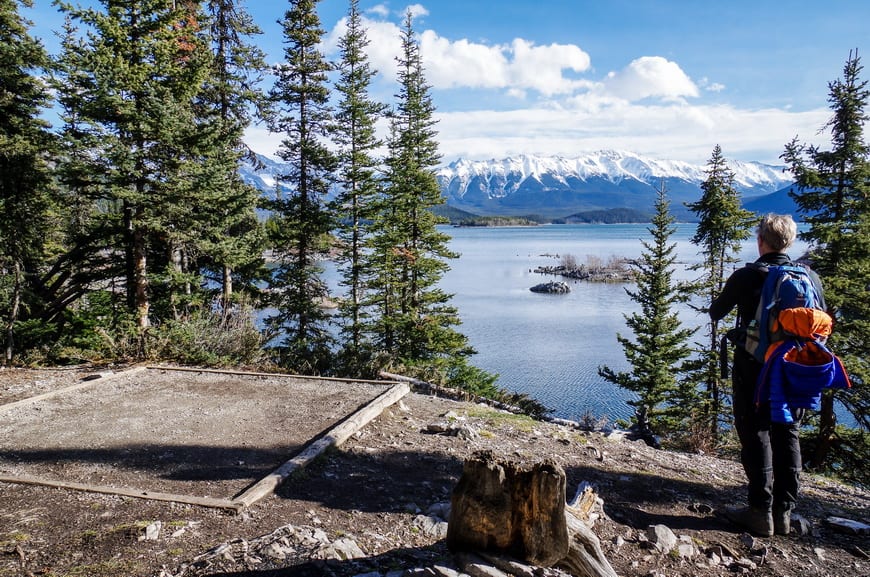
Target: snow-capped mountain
{"points": [[560, 186], [556, 187], [264, 177]]}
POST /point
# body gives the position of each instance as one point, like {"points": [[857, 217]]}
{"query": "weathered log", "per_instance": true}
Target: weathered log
{"points": [[335, 437], [124, 492], [503, 507], [585, 557]]}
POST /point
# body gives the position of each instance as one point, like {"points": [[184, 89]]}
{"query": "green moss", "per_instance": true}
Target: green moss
{"points": [[502, 418], [177, 523]]}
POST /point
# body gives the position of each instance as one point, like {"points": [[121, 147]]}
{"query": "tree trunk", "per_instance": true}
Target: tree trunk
{"points": [[140, 275], [13, 314], [227, 286], [827, 428]]}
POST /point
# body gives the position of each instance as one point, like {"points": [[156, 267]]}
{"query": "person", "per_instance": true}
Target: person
{"points": [[769, 451]]}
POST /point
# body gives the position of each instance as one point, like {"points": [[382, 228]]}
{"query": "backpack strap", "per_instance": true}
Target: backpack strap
{"points": [[762, 269]]}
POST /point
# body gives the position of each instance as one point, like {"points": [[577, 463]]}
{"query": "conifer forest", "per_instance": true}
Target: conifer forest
{"points": [[128, 234]]}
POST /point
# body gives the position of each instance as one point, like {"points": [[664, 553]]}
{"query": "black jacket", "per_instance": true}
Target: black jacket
{"points": [[743, 289]]}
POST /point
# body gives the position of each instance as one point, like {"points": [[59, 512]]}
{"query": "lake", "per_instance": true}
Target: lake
{"points": [[550, 346]]}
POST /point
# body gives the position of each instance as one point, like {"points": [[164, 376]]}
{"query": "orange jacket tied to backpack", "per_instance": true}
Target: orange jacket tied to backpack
{"points": [[797, 369]]}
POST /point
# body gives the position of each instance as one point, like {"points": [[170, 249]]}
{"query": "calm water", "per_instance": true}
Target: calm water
{"points": [[550, 346]]}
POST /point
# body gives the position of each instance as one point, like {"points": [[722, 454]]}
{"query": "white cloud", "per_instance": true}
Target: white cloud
{"points": [[416, 10], [710, 86], [385, 43], [380, 10], [677, 131], [462, 63], [651, 106], [514, 68], [261, 141], [650, 76], [542, 67]]}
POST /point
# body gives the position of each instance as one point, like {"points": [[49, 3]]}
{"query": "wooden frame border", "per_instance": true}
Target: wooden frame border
{"points": [[260, 489]]}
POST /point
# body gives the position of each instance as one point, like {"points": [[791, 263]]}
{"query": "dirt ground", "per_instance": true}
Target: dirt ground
{"points": [[210, 434], [188, 433]]}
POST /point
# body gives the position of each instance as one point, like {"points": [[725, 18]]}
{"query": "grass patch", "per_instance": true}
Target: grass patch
{"points": [[496, 418], [15, 537]]}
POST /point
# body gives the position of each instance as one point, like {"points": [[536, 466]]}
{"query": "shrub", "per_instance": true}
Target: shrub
{"points": [[207, 338]]}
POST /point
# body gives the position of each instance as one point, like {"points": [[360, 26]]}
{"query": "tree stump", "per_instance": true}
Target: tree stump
{"points": [[503, 507]]}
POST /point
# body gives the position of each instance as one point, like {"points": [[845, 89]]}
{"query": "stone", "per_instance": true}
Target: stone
{"points": [[275, 551], [510, 566], [440, 510], [345, 548], [800, 525], [661, 538], [848, 526], [432, 526], [483, 570], [552, 287], [686, 550], [151, 532], [442, 571]]}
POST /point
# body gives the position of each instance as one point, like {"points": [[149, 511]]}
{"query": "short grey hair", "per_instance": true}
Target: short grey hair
{"points": [[778, 231]]}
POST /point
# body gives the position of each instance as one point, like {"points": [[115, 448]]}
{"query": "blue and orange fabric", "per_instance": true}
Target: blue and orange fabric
{"points": [[796, 370]]}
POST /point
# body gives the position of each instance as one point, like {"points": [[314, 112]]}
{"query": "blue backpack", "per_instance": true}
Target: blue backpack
{"points": [[785, 287]]}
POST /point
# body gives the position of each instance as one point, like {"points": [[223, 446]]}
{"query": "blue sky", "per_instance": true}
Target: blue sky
{"points": [[669, 79]]}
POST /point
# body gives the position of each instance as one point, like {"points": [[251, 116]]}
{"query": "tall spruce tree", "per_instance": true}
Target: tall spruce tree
{"points": [[832, 192], [659, 353], [127, 88], [231, 239], [25, 185], [415, 320], [722, 226], [302, 222], [359, 185]]}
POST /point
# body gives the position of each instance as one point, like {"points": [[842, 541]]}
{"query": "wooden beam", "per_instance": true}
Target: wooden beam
{"points": [[78, 386], [336, 436], [124, 492], [280, 375]]}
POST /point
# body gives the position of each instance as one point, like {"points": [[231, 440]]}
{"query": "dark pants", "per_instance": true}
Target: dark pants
{"points": [[770, 452]]}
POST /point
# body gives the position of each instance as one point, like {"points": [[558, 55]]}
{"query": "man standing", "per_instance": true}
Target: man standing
{"points": [[770, 452]]}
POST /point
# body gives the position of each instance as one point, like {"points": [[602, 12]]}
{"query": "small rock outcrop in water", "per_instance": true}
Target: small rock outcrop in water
{"points": [[553, 287]]}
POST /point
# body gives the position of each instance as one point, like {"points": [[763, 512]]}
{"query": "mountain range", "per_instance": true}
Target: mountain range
{"points": [[551, 187]]}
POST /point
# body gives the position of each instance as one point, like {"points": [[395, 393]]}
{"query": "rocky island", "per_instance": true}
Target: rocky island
{"points": [[616, 269]]}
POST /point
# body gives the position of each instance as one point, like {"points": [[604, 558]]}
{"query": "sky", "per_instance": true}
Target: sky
{"points": [[666, 79]]}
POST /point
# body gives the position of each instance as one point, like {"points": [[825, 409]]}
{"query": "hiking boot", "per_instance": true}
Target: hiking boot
{"points": [[756, 521], [781, 521]]}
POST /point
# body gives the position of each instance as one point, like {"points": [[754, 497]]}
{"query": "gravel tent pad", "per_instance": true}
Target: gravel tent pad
{"points": [[204, 434]]}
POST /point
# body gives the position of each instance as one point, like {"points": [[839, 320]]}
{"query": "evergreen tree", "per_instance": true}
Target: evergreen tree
{"points": [[659, 352], [231, 238], [722, 226], [303, 223], [356, 116], [832, 192], [25, 186], [127, 90], [415, 324]]}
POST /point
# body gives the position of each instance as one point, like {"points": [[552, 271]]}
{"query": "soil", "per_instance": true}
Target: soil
{"points": [[205, 434]]}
